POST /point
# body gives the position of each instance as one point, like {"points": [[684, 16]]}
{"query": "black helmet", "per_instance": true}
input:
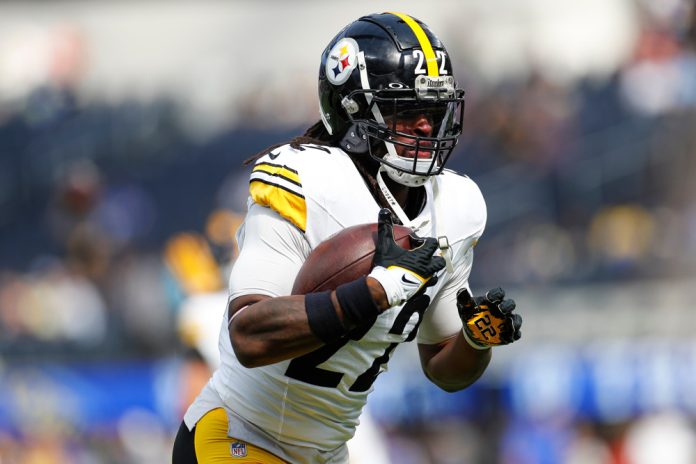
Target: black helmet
{"points": [[381, 69]]}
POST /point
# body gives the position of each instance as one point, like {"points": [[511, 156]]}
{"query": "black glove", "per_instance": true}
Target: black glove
{"points": [[403, 272], [488, 320]]}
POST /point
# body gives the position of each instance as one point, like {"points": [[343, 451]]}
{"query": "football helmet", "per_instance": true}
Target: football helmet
{"points": [[384, 69]]}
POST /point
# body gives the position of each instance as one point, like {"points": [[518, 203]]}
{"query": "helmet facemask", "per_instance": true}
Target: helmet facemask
{"points": [[407, 158]]}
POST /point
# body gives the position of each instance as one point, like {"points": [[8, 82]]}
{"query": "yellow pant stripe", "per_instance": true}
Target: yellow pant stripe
{"points": [[213, 446]]}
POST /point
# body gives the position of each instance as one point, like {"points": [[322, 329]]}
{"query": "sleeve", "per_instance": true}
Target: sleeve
{"points": [[278, 186], [271, 252], [441, 320]]}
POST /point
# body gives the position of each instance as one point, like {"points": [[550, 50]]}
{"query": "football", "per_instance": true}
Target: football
{"points": [[343, 257]]}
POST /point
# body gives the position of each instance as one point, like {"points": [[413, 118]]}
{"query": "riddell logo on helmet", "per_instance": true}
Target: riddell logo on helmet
{"points": [[342, 60], [435, 83]]}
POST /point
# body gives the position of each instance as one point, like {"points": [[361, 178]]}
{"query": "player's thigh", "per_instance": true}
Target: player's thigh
{"points": [[213, 446]]}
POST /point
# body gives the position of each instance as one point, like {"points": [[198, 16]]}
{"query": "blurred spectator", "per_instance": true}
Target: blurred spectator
{"points": [[661, 438], [53, 306], [586, 447], [621, 238], [662, 75], [137, 292]]}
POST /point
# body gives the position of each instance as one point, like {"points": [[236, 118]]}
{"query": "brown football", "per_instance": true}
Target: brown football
{"points": [[343, 257]]}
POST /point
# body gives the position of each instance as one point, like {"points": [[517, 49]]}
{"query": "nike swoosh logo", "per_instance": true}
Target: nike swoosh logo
{"points": [[408, 281], [273, 155]]}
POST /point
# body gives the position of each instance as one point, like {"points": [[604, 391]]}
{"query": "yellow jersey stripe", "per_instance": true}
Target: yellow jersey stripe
{"points": [[290, 205], [430, 58], [280, 171]]}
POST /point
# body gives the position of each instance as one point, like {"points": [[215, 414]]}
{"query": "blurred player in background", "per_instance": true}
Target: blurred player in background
{"points": [[296, 370]]}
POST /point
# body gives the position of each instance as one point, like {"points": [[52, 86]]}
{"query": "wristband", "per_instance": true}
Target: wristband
{"points": [[359, 308], [322, 317], [390, 283], [475, 345]]}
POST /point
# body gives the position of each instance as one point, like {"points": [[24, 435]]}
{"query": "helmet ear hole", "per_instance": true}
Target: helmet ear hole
{"points": [[350, 105]]}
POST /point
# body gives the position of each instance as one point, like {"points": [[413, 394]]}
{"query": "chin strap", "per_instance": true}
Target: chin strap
{"points": [[395, 206], [442, 241]]}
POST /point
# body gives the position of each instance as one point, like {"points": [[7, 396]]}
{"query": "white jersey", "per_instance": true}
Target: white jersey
{"points": [[299, 198]]}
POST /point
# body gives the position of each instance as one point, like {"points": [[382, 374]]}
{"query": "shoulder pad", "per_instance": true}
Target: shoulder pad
{"points": [[453, 172], [275, 183], [461, 194]]}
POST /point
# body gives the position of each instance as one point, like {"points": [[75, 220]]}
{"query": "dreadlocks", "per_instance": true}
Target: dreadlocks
{"points": [[315, 135]]}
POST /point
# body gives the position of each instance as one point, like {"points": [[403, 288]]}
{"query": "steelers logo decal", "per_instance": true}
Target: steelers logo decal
{"points": [[342, 60]]}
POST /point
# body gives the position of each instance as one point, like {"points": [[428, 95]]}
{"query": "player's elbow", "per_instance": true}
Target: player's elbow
{"points": [[451, 387], [244, 357], [248, 351], [247, 357], [453, 383]]}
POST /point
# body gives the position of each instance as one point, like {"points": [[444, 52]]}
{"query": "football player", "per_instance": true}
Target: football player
{"points": [[296, 370]]}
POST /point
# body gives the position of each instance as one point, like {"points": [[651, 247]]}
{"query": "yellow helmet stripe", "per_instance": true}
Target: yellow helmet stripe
{"points": [[430, 58]]}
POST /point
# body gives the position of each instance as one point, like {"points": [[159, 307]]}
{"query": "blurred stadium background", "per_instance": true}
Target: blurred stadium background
{"points": [[123, 126]]}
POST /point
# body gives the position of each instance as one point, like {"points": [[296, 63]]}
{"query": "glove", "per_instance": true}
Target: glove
{"points": [[402, 273], [488, 320]]}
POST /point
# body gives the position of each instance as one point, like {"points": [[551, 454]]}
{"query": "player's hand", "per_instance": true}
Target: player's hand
{"points": [[403, 272], [488, 320]]}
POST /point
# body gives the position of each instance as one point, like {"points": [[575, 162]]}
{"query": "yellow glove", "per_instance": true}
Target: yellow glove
{"points": [[488, 320]]}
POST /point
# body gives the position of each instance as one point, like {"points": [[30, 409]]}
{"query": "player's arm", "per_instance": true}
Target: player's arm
{"points": [[263, 326], [452, 355], [487, 321], [453, 364], [446, 358], [265, 329]]}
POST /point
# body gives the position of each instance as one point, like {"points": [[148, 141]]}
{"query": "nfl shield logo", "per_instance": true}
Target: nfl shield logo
{"points": [[238, 449]]}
